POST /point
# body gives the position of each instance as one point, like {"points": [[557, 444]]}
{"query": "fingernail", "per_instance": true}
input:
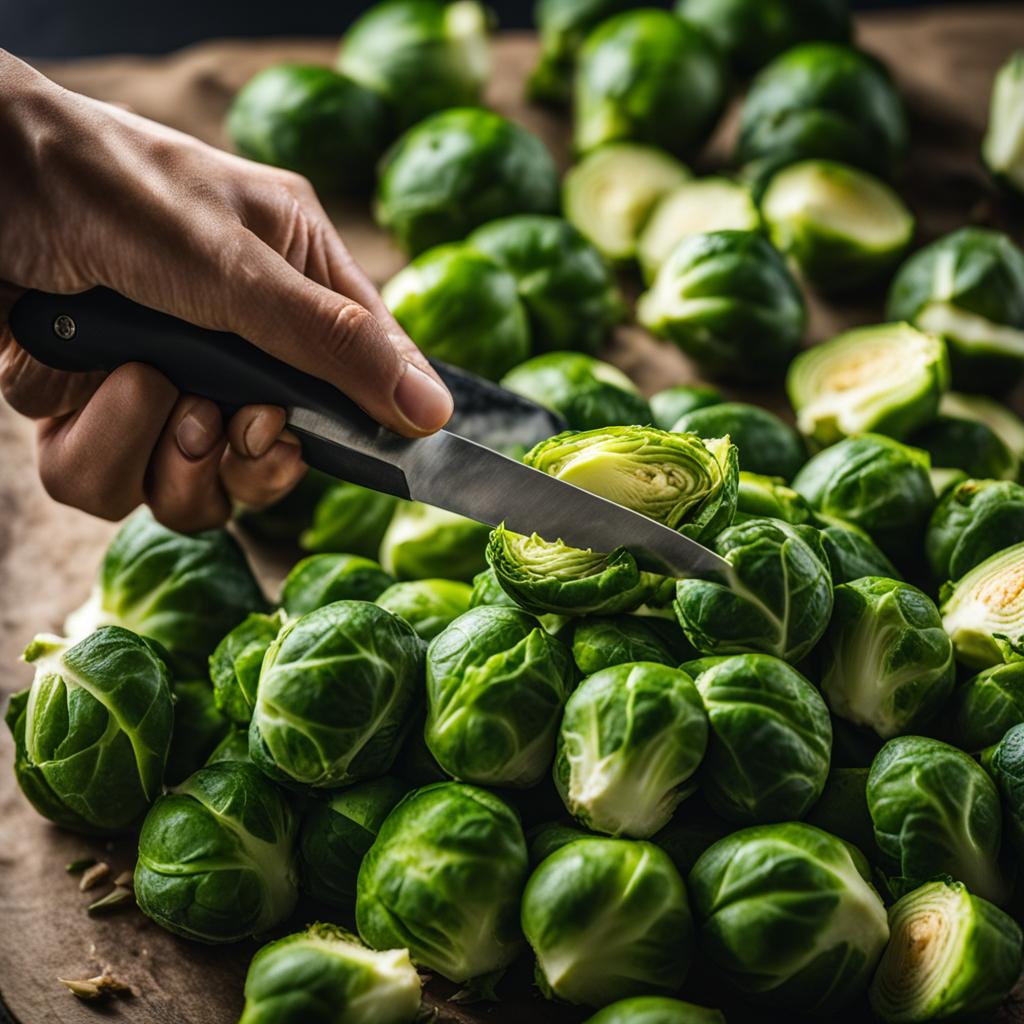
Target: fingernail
{"points": [[424, 403], [199, 430], [260, 434]]}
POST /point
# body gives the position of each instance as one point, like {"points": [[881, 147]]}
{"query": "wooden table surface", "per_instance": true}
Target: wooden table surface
{"points": [[944, 61]]}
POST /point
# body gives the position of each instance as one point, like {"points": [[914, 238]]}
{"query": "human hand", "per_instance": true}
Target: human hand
{"points": [[95, 195]]}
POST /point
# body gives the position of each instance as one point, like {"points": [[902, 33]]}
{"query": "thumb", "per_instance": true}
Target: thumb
{"points": [[330, 336]]}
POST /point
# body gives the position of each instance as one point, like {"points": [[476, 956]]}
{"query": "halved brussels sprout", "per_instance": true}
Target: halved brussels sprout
{"points": [[611, 192], [1002, 420], [973, 521], [607, 919], [423, 543], [951, 955], [770, 740], [772, 498], [427, 605], [890, 663], [983, 611], [766, 445], [216, 856], [935, 812], [842, 808], [458, 169], [827, 101], [421, 56], [324, 579], [752, 32], [329, 127], [788, 917], [889, 379], [647, 76], [335, 834], [336, 695], [92, 732], [631, 739], [1006, 765], [851, 552], [728, 301], [694, 208], [324, 975], [875, 483], [199, 727], [460, 306], [350, 519], [586, 392], [986, 707], [672, 403], [570, 296], [602, 642], [777, 597], [841, 226], [968, 287], [458, 911], [236, 662], [970, 446], [184, 591], [655, 1010], [1003, 148], [496, 685]]}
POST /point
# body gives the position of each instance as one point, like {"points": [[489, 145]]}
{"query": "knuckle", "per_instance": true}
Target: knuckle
{"points": [[348, 326]]}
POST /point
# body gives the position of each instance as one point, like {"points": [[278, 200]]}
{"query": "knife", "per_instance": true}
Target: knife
{"points": [[101, 330]]}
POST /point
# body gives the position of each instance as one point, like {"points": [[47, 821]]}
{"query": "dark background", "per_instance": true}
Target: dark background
{"points": [[72, 28]]}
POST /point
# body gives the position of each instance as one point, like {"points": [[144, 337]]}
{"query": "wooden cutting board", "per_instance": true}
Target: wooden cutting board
{"points": [[944, 60]]}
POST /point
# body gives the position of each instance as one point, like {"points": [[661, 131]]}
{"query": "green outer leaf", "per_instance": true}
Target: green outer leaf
{"points": [[655, 1010], [601, 642], [984, 708], [968, 445], [429, 606], [851, 552], [323, 579], [669, 404], [1007, 768], [349, 518], [430, 543], [236, 662]]}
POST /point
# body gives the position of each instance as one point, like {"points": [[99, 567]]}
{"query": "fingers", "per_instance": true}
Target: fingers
{"points": [[263, 462]]}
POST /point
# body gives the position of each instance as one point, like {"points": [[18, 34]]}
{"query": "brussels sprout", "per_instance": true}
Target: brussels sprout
{"points": [[92, 733], [935, 812], [842, 808], [336, 695], [335, 834], [461, 306], [770, 740], [983, 611], [545, 839], [827, 101], [787, 917], [752, 32], [986, 707], [427, 605], [457, 170], [611, 192], [198, 728], [1006, 765], [655, 1010], [770, 497], [349, 518], [851, 552], [951, 955], [973, 521], [1003, 421], [766, 445], [236, 662], [968, 287], [890, 663], [777, 597], [968, 445], [324, 579], [429, 543], [457, 911], [312, 120], [607, 919], [586, 392], [487, 591], [842, 227], [875, 483], [496, 684], [630, 742], [728, 301], [605, 641], [233, 747], [184, 591], [888, 378], [694, 208], [216, 856], [420, 55], [1003, 148], [326, 976], [669, 405], [570, 296]]}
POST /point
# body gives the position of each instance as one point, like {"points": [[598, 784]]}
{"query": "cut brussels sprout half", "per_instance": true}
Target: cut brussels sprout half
{"points": [[611, 192], [672, 403], [890, 663], [786, 915], [423, 542], [324, 579], [888, 379], [1003, 148], [842, 227], [427, 605], [647, 76], [1002, 420], [970, 446], [968, 287], [983, 611], [695, 208], [951, 956], [729, 302], [655, 1010], [986, 707], [770, 497]]}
